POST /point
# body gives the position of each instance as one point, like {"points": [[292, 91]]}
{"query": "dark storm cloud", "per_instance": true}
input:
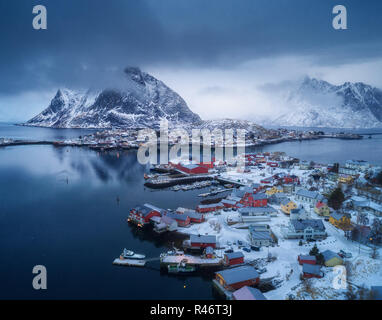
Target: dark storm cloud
{"points": [[89, 42]]}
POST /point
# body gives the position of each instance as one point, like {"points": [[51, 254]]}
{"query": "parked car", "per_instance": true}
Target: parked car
{"points": [[239, 242], [262, 270], [344, 254], [254, 248], [247, 249], [228, 251]]}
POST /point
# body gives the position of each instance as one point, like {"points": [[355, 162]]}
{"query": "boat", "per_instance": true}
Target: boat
{"points": [[145, 176], [181, 267], [128, 254]]}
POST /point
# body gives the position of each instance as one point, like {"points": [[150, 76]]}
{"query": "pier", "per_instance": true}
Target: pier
{"points": [[165, 183], [226, 180], [191, 261]]}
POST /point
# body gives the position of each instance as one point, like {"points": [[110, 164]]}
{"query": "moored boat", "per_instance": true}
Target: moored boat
{"points": [[181, 267], [128, 254]]}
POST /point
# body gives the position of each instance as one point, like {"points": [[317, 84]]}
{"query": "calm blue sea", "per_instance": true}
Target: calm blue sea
{"points": [[58, 208]]}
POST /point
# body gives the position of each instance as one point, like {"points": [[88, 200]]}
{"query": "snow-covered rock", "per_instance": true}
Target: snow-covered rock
{"points": [[142, 102], [317, 103]]}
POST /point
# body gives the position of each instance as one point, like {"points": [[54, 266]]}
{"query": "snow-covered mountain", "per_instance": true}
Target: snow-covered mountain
{"points": [[142, 101], [317, 103]]}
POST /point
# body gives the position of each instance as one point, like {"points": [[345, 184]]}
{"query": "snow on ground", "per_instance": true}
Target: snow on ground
{"points": [[363, 269]]}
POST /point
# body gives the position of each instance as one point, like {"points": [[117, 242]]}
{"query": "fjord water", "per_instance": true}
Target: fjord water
{"points": [[59, 208]]}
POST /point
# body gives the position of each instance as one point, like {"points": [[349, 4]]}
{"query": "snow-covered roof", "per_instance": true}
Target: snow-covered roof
{"points": [[308, 194], [202, 238], [300, 225], [311, 269], [328, 255], [234, 255], [238, 274], [248, 293]]}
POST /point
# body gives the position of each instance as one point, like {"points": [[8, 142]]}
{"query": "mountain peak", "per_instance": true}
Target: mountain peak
{"points": [[142, 105], [318, 103]]}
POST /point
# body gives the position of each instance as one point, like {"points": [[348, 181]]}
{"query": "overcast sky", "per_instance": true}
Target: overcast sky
{"points": [[216, 54]]}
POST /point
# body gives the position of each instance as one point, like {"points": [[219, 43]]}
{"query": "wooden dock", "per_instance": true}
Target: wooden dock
{"points": [[194, 261], [221, 290], [129, 262]]}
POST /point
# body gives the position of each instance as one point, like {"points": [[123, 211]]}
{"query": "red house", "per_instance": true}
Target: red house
{"points": [[248, 198], [306, 259], [194, 216], [190, 168], [259, 200], [209, 252], [268, 180], [272, 164], [233, 258], [182, 219], [205, 208], [311, 271], [200, 241], [236, 278], [291, 179], [141, 215]]}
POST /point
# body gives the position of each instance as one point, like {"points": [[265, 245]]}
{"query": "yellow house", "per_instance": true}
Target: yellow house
{"points": [[345, 179], [288, 205], [332, 259], [273, 190], [340, 220], [322, 209]]}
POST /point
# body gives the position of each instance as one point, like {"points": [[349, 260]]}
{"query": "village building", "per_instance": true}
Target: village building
{"points": [[182, 219], [248, 293], [322, 209], [348, 171], [291, 179], [277, 198], [273, 190], [311, 271], [164, 223], [346, 179], [288, 188], [260, 238], [306, 259], [332, 259], [233, 258], [361, 165], [209, 253], [305, 229], [236, 278], [191, 168], [205, 208], [200, 241], [340, 220], [373, 194], [304, 165], [288, 205], [309, 197], [248, 212], [299, 213], [141, 215]]}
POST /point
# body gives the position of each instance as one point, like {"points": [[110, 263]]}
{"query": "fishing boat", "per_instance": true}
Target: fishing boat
{"points": [[146, 176], [128, 254], [181, 267]]}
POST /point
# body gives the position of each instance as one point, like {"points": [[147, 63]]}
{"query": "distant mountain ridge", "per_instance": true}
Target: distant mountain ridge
{"points": [[143, 102], [317, 103]]}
